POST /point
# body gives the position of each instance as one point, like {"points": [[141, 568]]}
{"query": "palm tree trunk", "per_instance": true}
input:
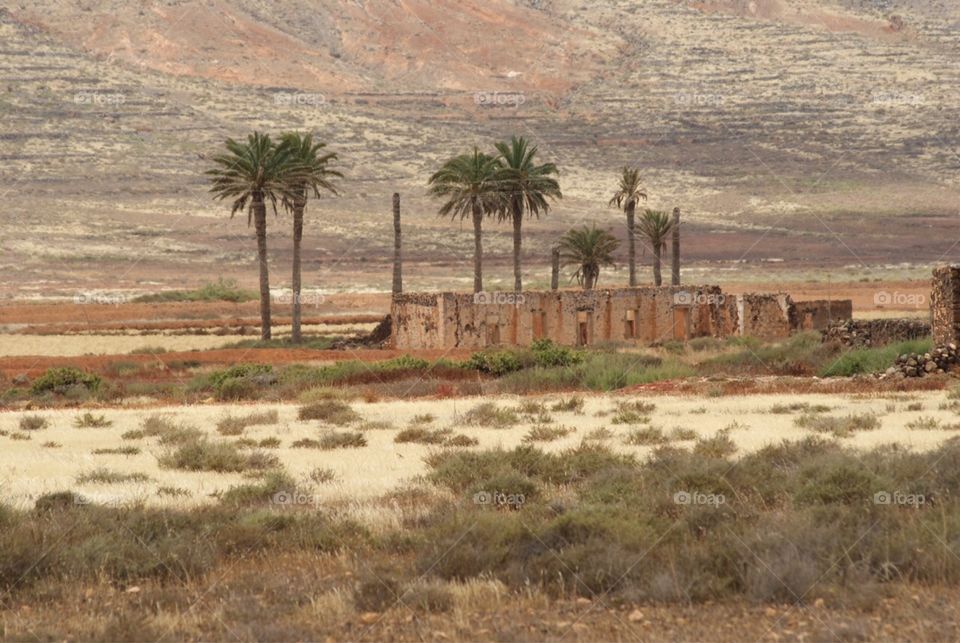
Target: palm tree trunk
{"points": [[657, 277], [555, 269], [675, 254], [298, 208], [517, 224], [260, 225], [397, 258], [631, 243], [477, 249]]}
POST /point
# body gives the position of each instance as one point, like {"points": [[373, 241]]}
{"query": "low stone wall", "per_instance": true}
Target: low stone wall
{"points": [[876, 332]]}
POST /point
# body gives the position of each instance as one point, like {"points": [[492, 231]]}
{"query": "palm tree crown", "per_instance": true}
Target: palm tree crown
{"points": [[467, 182], [311, 171], [656, 226], [590, 249], [252, 171], [525, 187], [630, 191]]}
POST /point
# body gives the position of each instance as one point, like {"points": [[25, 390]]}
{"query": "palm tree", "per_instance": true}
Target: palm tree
{"points": [[469, 184], [312, 175], [251, 174], [626, 198], [525, 188], [656, 226], [589, 249]]}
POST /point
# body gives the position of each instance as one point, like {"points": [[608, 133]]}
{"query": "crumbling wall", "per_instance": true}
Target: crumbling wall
{"points": [[415, 321], [819, 314], [763, 315], [643, 315], [945, 304]]}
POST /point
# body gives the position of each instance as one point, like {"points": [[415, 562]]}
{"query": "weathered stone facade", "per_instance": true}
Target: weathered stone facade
{"points": [[945, 304], [584, 317], [820, 314]]}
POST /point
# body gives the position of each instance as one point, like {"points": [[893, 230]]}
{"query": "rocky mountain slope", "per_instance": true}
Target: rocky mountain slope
{"points": [[809, 132]]}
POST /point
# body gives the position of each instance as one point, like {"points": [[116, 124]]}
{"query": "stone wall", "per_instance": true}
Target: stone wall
{"points": [[764, 315], [820, 314], [575, 317], [876, 332], [945, 304]]}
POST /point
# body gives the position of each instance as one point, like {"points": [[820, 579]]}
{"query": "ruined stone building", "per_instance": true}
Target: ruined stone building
{"points": [[644, 315]]}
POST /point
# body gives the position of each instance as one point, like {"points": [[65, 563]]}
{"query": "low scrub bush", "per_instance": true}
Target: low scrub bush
{"points": [[107, 476], [342, 440], [645, 436], [33, 423], [420, 435], [128, 450], [329, 411], [235, 424], [872, 360], [90, 421], [840, 427], [544, 433], [63, 380], [490, 415], [204, 455]]}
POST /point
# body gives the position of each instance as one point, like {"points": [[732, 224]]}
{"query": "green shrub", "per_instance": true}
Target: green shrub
{"points": [[547, 354], [873, 360], [61, 380], [497, 363], [221, 290]]}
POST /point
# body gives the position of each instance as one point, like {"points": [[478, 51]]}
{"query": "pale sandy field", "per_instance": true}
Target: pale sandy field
{"points": [[119, 343], [28, 469]]}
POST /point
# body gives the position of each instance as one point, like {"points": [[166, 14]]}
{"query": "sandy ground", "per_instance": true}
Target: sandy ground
{"points": [[119, 344], [30, 469]]}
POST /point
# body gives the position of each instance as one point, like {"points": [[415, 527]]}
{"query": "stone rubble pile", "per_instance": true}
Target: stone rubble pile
{"points": [[938, 360], [876, 332]]}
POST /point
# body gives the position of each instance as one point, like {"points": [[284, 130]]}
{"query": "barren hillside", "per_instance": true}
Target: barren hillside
{"points": [[806, 135]]}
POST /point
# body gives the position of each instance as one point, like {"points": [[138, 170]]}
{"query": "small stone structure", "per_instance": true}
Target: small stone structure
{"points": [[820, 314], [945, 304], [643, 315]]}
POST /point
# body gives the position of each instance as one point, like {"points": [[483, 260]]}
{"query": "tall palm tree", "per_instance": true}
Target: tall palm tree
{"points": [[589, 249], [312, 175], [469, 184], [627, 197], [252, 174], [525, 187], [656, 226]]}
